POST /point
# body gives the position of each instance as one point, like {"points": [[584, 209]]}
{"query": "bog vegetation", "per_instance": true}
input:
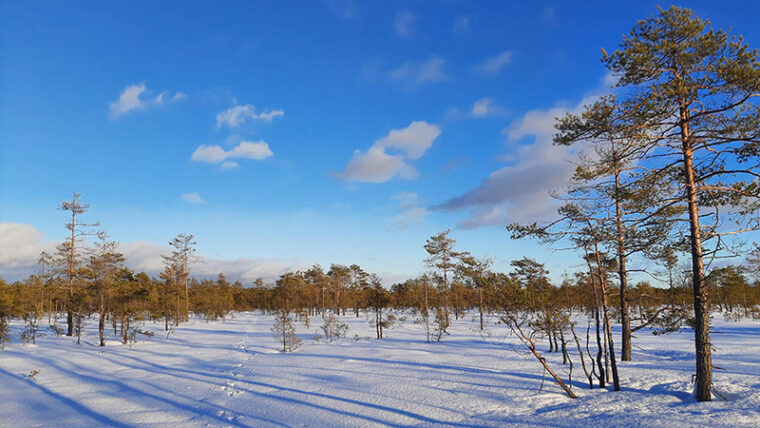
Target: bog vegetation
{"points": [[668, 175]]}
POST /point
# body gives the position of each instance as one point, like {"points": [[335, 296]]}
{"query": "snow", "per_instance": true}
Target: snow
{"points": [[231, 374]]}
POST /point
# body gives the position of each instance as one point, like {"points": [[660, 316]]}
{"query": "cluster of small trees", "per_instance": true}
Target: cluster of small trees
{"points": [[83, 278]]}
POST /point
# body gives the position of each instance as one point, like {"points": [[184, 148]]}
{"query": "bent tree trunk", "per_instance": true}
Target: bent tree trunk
{"points": [[583, 360], [531, 345]]}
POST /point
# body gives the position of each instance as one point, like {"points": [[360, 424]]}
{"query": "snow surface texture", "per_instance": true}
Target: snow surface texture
{"points": [[231, 374]]}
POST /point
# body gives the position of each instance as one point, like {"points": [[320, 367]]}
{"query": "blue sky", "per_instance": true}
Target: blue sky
{"points": [[283, 134]]}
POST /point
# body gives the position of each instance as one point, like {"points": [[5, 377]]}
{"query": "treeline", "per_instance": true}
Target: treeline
{"points": [[121, 300]]}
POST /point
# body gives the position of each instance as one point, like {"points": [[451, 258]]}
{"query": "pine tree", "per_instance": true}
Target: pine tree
{"points": [[104, 265], [443, 257], [180, 259], [693, 90], [623, 195], [70, 250]]}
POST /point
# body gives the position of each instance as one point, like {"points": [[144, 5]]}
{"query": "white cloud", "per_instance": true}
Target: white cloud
{"points": [[20, 248], [21, 244], [245, 150], [486, 106], [236, 115], [420, 73], [520, 191], [251, 150], [377, 166], [404, 23], [143, 256], [128, 100], [494, 65], [136, 97], [610, 80], [210, 154], [246, 270], [193, 198], [415, 139], [483, 107], [409, 210]]}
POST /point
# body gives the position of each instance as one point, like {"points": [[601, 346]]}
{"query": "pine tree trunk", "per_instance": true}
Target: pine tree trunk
{"points": [[480, 306], [599, 364], [176, 311], [625, 320], [427, 313], [445, 291], [556, 345], [701, 308], [69, 321], [102, 329], [125, 326], [603, 284], [70, 314], [583, 360], [551, 344], [599, 352], [187, 298]]}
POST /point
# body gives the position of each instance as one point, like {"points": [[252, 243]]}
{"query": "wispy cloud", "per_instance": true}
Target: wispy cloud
{"points": [[409, 210], [192, 198], [138, 97], [495, 64], [245, 150], [376, 165], [403, 24], [461, 24], [144, 256], [346, 9], [418, 73], [486, 106], [21, 244], [520, 190], [236, 115], [483, 107]]}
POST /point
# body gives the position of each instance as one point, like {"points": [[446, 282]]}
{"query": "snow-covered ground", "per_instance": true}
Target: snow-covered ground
{"points": [[231, 374]]}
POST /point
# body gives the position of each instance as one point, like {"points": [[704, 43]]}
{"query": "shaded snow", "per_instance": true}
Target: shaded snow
{"points": [[230, 374]]}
